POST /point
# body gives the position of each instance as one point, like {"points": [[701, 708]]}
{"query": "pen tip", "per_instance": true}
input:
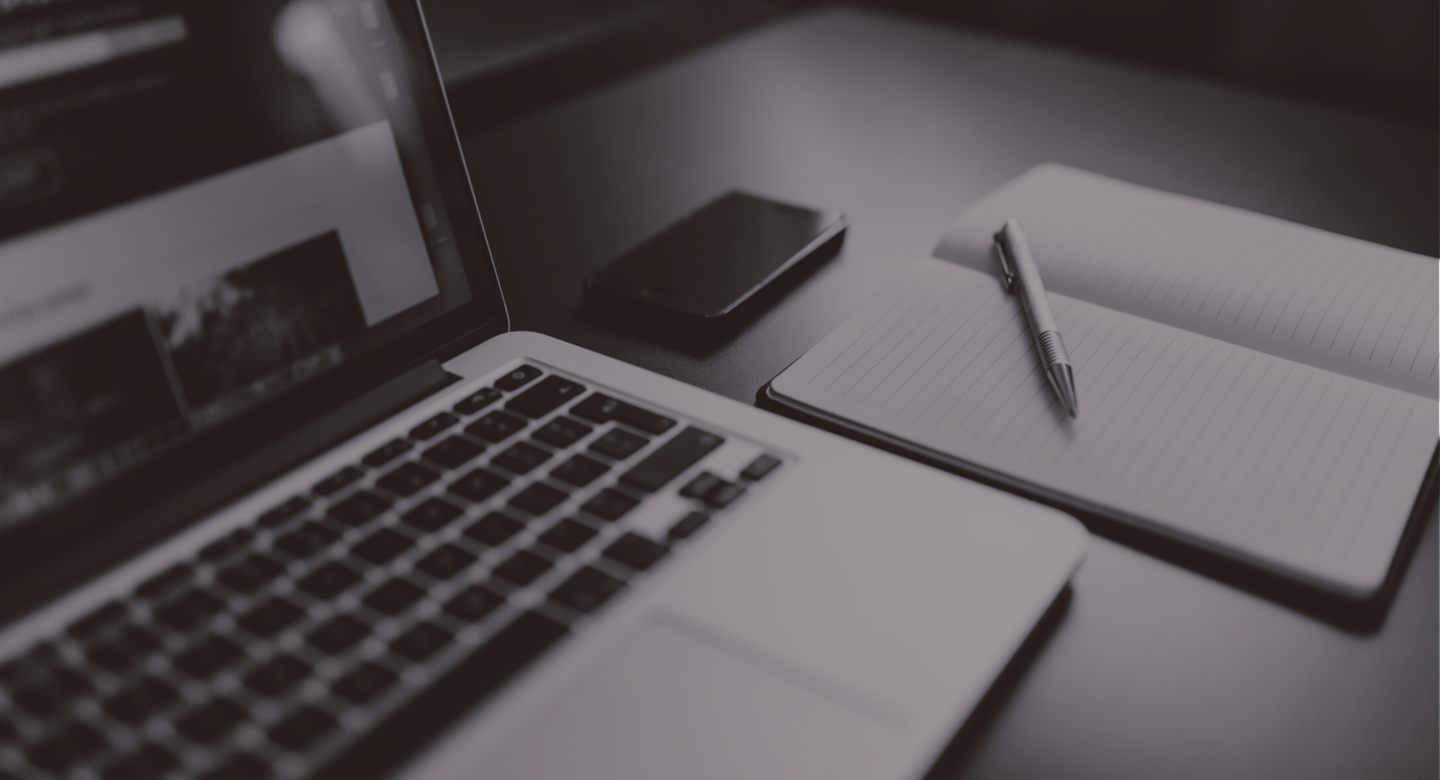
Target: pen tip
{"points": [[1063, 380]]}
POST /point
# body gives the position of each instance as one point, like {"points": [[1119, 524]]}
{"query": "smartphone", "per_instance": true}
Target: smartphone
{"points": [[714, 259]]}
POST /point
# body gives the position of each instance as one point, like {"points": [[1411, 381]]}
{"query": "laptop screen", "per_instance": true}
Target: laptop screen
{"points": [[204, 206]]}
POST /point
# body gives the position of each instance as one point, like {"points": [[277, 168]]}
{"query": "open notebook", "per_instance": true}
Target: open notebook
{"points": [[1254, 386]]}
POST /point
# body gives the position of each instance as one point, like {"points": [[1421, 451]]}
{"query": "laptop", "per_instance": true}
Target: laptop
{"points": [[281, 496]]}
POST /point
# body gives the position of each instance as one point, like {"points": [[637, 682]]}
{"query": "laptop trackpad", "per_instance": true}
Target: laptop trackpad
{"points": [[675, 704]]}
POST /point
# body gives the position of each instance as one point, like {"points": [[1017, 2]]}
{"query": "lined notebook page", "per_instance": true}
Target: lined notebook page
{"points": [[1295, 292], [1295, 466]]}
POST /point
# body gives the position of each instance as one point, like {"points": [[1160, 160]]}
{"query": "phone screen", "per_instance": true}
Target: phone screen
{"points": [[713, 259]]}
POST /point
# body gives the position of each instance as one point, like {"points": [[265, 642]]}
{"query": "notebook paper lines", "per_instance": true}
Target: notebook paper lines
{"points": [[1170, 413], [1291, 291], [1434, 320], [1172, 423], [918, 359], [888, 366], [1313, 452], [1321, 382], [1351, 530], [893, 316], [1119, 434]]}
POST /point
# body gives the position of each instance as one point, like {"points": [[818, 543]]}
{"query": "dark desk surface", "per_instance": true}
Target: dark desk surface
{"points": [[1153, 670]]}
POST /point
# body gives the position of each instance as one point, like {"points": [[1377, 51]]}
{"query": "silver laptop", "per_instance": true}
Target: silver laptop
{"points": [[281, 497]]}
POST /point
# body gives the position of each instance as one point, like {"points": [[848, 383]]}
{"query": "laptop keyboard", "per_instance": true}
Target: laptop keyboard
{"points": [[345, 626]]}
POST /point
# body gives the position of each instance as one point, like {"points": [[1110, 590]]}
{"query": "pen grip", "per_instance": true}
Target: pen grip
{"points": [[1052, 349]]}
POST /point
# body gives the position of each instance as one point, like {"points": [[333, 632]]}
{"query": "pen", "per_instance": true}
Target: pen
{"points": [[1023, 279]]}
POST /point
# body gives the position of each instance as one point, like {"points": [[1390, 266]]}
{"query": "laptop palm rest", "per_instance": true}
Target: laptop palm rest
{"points": [[703, 711]]}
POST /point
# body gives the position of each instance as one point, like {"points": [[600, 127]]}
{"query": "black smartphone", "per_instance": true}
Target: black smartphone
{"points": [[709, 262]]}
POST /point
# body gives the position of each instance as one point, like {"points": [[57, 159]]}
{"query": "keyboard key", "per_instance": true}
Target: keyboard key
{"points": [[522, 568], [28, 667], [518, 378], [479, 400], [538, 498], [277, 676], [688, 525], [478, 485], [211, 721], [360, 508], [453, 452], [562, 431], [432, 426], [568, 535], [703, 483], [98, 620], [306, 540], [382, 547], [431, 515], [141, 700], [545, 397], [596, 407], [208, 657], [724, 494], [421, 642], [474, 603], [124, 650], [644, 419], [227, 545], [445, 561], [394, 597], [67, 746], [636, 551], [618, 444], [586, 589], [609, 504], [493, 529], [521, 458], [386, 453], [338, 634], [408, 479], [760, 467], [495, 427], [364, 683], [271, 617], [196, 606], [329, 580], [602, 408], [145, 763], [684, 450], [580, 470], [240, 766], [246, 576], [165, 581], [281, 514], [475, 677], [302, 728], [47, 692], [332, 484]]}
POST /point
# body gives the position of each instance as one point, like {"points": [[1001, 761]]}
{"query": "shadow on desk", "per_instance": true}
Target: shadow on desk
{"points": [[992, 704]]}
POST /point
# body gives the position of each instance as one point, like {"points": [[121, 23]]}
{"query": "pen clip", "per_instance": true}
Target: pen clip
{"points": [[1006, 264]]}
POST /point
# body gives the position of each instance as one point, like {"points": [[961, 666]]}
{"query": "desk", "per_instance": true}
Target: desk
{"points": [[1152, 670]]}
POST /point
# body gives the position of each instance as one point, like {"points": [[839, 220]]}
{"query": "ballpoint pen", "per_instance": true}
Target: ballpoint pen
{"points": [[1023, 279]]}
